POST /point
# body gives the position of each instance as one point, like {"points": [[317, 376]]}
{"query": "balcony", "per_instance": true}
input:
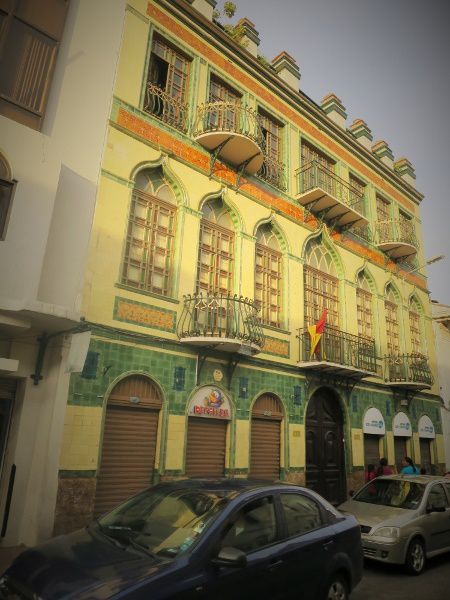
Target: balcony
{"points": [[408, 371], [273, 172], [221, 321], [166, 108], [396, 238], [232, 133], [339, 353], [328, 196]]}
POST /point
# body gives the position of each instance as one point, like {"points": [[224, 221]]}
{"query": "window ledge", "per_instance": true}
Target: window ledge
{"points": [[147, 293]]}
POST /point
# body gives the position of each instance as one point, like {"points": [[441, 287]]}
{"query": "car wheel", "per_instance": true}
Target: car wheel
{"points": [[415, 557], [336, 589]]}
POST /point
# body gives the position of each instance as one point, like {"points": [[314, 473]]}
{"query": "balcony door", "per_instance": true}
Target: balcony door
{"points": [[325, 469]]}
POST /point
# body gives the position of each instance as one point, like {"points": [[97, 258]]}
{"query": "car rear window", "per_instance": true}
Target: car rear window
{"points": [[392, 492]]}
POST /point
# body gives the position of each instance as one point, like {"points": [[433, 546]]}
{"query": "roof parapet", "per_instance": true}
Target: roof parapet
{"points": [[334, 109], [250, 37], [205, 7], [360, 130], [405, 170], [384, 153], [287, 69]]}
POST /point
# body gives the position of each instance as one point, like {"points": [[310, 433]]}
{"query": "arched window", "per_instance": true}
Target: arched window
{"points": [[216, 249], [364, 307], [150, 237], [6, 192], [321, 285], [268, 276], [392, 328], [415, 326]]}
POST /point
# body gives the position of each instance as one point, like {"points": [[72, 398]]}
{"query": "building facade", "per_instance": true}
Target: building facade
{"points": [[441, 326], [56, 87], [254, 288]]}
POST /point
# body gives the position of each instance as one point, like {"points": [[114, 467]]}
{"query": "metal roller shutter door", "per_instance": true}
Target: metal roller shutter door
{"points": [[205, 452], [128, 456], [371, 449], [265, 449]]}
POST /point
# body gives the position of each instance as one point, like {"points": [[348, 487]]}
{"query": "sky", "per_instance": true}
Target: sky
{"points": [[387, 62]]}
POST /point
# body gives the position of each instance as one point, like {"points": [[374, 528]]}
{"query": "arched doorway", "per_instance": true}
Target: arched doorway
{"points": [[325, 471], [129, 441], [267, 414]]}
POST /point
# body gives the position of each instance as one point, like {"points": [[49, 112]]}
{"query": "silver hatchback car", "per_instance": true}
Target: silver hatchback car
{"points": [[404, 519]]}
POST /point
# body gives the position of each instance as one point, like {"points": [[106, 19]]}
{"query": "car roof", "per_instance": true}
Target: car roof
{"points": [[424, 479], [226, 484]]}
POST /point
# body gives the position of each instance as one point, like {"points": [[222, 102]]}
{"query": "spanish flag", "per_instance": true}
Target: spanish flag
{"points": [[315, 332]]}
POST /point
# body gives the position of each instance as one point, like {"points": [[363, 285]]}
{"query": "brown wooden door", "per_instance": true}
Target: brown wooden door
{"points": [[400, 451], [205, 450], [265, 440], [129, 442], [324, 447]]}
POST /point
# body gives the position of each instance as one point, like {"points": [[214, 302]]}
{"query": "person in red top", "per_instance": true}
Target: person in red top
{"points": [[370, 473], [383, 468]]}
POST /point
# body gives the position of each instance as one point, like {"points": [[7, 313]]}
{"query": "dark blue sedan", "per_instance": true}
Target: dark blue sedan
{"points": [[227, 539]]}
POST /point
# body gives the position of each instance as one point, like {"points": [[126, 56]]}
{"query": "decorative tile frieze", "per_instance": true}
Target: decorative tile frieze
{"points": [[146, 315]]}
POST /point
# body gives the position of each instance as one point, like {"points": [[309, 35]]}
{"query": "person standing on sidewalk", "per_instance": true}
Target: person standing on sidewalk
{"points": [[383, 468]]}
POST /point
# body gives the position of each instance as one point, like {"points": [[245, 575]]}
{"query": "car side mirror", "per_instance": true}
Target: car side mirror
{"points": [[230, 557], [432, 509]]}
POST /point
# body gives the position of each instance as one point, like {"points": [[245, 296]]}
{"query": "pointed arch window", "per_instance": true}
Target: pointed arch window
{"points": [[321, 285], [364, 308], [149, 244], [392, 327], [415, 327], [216, 250], [268, 276]]}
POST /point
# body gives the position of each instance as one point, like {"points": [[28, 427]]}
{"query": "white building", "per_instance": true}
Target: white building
{"points": [[441, 326], [57, 68]]}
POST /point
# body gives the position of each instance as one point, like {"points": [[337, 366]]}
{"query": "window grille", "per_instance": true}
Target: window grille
{"points": [[149, 244]]}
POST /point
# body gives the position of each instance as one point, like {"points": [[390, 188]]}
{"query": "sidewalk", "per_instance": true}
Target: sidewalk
{"points": [[8, 554]]}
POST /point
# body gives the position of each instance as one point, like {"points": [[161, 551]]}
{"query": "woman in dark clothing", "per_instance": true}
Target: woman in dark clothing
{"points": [[383, 468]]}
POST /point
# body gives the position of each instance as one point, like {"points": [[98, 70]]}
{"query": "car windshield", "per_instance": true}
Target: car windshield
{"points": [[392, 492], [162, 521]]}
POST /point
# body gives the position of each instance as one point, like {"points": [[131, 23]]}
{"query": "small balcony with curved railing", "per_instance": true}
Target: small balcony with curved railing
{"points": [[274, 172], [408, 371], [338, 353], [328, 196], [396, 238], [166, 108], [224, 322], [231, 132]]}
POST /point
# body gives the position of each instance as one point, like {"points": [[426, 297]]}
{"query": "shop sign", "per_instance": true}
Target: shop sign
{"points": [[401, 425], [426, 427], [209, 402], [373, 422]]}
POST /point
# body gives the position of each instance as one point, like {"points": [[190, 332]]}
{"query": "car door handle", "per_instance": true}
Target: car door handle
{"points": [[275, 565], [327, 545]]}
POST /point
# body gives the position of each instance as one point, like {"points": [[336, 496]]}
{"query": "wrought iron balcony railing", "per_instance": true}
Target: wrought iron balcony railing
{"points": [[400, 232], [314, 175], [273, 172], [233, 117], [166, 108], [221, 317], [341, 348], [408, 370]]}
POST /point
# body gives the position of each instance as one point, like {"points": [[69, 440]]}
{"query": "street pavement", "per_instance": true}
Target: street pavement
{"points": [[390, 582]]}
